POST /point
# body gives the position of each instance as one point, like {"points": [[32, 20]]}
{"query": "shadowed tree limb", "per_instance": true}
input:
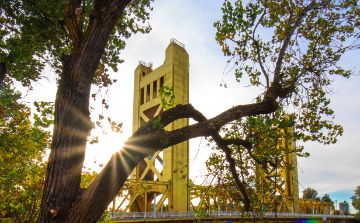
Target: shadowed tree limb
{"points": [[2, 71], [232, 166], [148, 136]]}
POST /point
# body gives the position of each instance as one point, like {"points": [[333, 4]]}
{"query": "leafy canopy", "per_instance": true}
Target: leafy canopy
{"points": [[261, 157], [299, 44], [310, 194], [22, 149], [326, 198], [291, 51], [33, 34], [356, 200]]}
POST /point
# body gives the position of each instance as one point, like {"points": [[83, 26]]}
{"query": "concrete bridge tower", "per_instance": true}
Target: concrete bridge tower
{"points": [[165, 174]]}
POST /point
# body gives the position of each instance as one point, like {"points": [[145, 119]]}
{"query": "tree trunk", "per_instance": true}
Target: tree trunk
{"points": [[71, 128], [72, 123]]}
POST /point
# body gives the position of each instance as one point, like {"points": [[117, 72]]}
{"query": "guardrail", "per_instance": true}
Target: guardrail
{"points": [[150, 64], [173, 40], [219, 214]]}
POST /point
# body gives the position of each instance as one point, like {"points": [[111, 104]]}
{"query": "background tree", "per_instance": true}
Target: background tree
{"points": [[82, 39], [356, 200], [326, 198], [22, 149], [259, 164], [310, 194]]}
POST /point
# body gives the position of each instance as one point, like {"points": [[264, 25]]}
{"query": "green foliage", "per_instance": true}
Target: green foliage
{"points": [[307, 39], [87, 176], [33, 34], [310, 194], [30, 35], [156, 124], [105, 218], [356, 200], [326, 198], [22, 150], [45, 114], [167, 97], [289, 50], [258, 165]]}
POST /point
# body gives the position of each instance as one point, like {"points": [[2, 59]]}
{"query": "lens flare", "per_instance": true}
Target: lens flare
{"points": [[307, 221]]}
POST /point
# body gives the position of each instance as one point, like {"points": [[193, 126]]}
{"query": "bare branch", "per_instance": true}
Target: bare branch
{"points": [[240, 184], [259, 60], [289, 33], [258, 51]]}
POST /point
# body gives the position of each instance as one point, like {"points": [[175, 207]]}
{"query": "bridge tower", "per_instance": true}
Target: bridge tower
{"points": [[163, 176], [286, 176], [290, 173]]}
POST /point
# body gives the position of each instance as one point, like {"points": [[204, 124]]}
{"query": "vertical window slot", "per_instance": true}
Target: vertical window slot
{"points": [[162, 81], [148, 93], [155, 89], [142, 96]]}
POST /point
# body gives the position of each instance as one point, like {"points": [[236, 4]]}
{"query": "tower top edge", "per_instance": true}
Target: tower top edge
{"points": [[177, 42], [148, 65]]}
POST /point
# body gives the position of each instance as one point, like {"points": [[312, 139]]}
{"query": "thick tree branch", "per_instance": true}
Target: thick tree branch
{"points": [[171, 115], [147, 139], [3, 71], [72, 15]]}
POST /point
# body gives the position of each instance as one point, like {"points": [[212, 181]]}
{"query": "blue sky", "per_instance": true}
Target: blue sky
{"points": [[331, 169]]}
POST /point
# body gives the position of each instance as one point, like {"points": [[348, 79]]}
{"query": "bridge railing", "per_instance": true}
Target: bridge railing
{"points": [[218, 214]]}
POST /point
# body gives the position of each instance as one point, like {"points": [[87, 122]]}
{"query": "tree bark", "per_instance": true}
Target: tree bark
{"points": [[2, 71], [72, 123]]}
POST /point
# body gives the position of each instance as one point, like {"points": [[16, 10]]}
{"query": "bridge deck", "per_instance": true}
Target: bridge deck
{"points": [[222, 216]]}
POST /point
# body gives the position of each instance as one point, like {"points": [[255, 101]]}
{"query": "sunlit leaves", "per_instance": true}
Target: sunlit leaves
{"points": [[45, 114], [33, 34], [319, 33], [22, 150], [167, 97], [310, 194], [291, 50], [259, 166], [356, 200]]}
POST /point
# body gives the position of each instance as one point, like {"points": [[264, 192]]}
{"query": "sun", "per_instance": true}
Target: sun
{"points": [[98, 154]]}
